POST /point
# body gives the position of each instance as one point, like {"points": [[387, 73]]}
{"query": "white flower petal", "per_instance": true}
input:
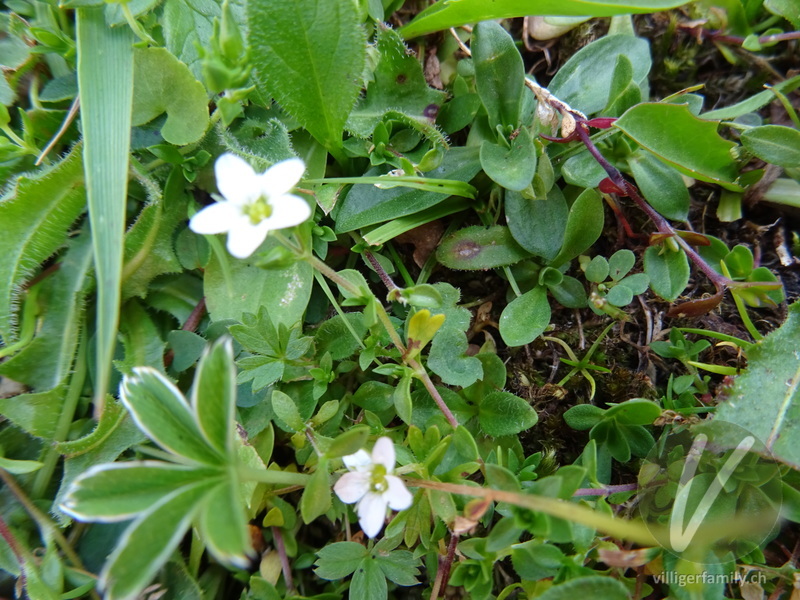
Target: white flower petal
{"points": [[397, 496], [281, 177], [236, 179], [358, 461], [351, 487], [372, 513], [246, 238], [216, 218], [287, 211], [383, 453]]}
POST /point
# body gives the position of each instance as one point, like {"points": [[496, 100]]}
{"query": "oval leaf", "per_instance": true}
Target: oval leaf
{"points": [[680, 139], [774, 144], [668, 271], [480, 248], [503, 413], [525, 318]]}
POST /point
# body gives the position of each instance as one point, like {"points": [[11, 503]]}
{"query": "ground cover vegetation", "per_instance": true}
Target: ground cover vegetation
{"points": [[374, 299]]}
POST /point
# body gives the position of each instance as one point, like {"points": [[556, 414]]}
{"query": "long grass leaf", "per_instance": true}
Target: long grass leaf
{"points": [[105, 83]]}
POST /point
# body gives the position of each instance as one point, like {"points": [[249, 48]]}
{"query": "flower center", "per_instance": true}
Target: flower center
{"points": [[377, 481], [259, 210]]}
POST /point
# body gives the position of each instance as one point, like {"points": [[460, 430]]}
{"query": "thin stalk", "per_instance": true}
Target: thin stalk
{"points": [[286, 567], [45, 474], [630, 530], [273, 477], [376, 265], [327, 291], [443, 572], [47, 527]]}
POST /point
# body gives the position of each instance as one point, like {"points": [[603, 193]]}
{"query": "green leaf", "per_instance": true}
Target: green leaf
{"points": [[402, 399], [188, 25], [538, 225], [591, 586], [162, 413], [512, 168], [398, 566], [186, 346], [480, 247], [764, 399], [36, 213], [105, 82], [525, 318], [149, 244], [366, 204], [316, 499], [584, 226], [309, 55], [120, 491], [338, 560], [19, 467], [351, 440], [287, 411], [597, 270], [753, 103], [283, 292], [164, 84], [223, 524], [585, 80], [499, 75], [35, 413], [444, 14], [663, 130], [503, 413], [111, 418], [583, 416], [335, 338], [214, 396], [637, 411], [668, 271], [619, 295], [46, 360], [149, 541], [661, 185], [368, 581], [447, 358], [398, 85], [774, 144], [623, 92]]}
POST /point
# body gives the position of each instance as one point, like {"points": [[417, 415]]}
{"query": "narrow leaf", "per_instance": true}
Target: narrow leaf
{"points": [[36, 213], [214, 396], [105, 81], [223, 525]]}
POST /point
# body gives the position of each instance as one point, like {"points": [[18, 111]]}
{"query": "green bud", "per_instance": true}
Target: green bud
{"points": [[230, 38]]}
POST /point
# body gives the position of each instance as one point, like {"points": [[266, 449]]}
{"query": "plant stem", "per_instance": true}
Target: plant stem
{"points": [[45, 474], [634, 531], [443, 572], [47, 527], [273, 477], [662, 225], [327, 290], [376, 265]]}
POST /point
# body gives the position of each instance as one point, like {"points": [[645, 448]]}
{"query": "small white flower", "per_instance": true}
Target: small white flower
{"points": [[254, 204], [371, 484]]}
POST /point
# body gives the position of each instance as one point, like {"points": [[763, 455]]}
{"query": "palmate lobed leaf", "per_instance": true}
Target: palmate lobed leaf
{"points": [[149, 541], [120, 491], [162, 413]]}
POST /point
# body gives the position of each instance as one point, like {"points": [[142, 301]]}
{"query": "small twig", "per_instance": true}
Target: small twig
{"points": [[443, 572], [286, 568], [73, 111], [606, 490], [378, 267]]}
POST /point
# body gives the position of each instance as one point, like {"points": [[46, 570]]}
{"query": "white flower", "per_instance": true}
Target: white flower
{"points": [[253, 204], [371, 484]]}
